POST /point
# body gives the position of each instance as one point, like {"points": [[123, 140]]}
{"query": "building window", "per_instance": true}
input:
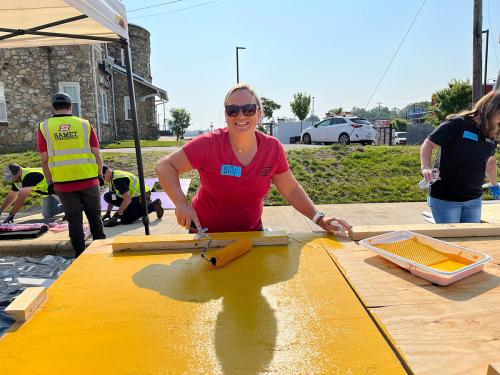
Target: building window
{"points": [[104, 107], [128, 110], [122, 56], [3, 105], [73, 90]]}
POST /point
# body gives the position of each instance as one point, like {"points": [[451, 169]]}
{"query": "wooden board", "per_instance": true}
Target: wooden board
{"points": [[494, 369], [192, 241], [431, 230], [439, 330], [26, 303]]}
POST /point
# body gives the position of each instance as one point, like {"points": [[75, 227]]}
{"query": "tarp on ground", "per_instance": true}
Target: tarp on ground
{"points": [[106, 19]]}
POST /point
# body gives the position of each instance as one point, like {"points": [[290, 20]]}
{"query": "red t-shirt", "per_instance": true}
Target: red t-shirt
{"points": [[71, 186], [231, 196]]}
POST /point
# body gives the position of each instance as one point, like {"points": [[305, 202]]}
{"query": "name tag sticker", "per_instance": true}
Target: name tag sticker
{"points": [[230, 170], [470, 135]]}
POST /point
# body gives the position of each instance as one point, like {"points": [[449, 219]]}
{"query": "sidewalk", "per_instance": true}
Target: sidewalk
{"points": [[277, 218]]}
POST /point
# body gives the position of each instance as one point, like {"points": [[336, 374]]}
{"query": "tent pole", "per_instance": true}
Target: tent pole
{"points": [[131, 93]]}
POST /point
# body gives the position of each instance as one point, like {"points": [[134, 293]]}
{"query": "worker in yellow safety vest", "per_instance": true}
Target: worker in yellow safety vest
{"points": [[71, 161], [26, 181], [124, 193]]}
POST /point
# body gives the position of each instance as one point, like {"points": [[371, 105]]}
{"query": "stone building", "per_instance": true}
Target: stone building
{"points": [[95, 78]]}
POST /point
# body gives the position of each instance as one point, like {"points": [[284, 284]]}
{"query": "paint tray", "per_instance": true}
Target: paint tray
{"points": [[440, 262]]}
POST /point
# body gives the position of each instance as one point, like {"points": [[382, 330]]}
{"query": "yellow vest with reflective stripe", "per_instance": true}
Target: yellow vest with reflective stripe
{"points": [[133, 187], [41, 187], [68, 147]]}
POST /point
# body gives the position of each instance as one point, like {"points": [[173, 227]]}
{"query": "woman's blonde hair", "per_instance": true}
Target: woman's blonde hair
{"points": [[483, 112], [244, 86]]}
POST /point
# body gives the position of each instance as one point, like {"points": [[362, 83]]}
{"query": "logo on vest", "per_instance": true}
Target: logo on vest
{"points": [[64, 128], [65, 136]]}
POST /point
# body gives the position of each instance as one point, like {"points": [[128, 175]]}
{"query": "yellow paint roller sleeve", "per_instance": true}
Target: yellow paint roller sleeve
{"points": [[220, 258]]}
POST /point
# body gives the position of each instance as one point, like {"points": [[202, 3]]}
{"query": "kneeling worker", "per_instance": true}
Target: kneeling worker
{"points": [[25, 181], [125, 194]]}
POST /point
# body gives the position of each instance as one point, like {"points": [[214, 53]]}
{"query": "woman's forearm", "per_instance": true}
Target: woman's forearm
{"points": [[169, 180], [491, 170], [426, 155]]}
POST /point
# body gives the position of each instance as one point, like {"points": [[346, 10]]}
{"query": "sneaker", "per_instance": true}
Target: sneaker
{"points": [[158, 208]]}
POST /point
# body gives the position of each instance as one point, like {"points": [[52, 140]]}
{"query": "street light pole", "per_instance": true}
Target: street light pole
{"points": [[238, 64], [487, 32]]}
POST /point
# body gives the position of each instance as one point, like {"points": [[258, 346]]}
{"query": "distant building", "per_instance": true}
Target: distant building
{"points": [[94, 76], [416, 115]]}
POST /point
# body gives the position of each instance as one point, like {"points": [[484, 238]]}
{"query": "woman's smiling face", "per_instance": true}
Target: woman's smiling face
{"points": [[242, 123]]}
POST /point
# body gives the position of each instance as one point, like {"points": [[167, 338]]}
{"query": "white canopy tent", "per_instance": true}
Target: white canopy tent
{"points": [[36, 23]]}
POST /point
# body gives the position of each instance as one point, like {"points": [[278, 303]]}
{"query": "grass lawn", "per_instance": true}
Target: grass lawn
{"points": [[330, 174], [144, 143]]}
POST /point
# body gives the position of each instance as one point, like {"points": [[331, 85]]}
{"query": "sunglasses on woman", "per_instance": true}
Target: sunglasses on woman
{"points": [[232, 110]]}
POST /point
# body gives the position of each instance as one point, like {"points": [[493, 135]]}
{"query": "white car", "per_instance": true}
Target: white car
{"points": [[400, 138], [343, 130]]}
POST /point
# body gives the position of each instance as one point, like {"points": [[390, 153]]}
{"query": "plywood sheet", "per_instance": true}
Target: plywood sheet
{"points": [[440, 330], [277, 309]]}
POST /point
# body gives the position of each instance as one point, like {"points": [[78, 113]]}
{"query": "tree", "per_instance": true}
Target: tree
{"points": [[452, 99], [179, 121], [268, 107], [399, 124], [300, 106], [336, 111], [313, 119], [360, 112]]}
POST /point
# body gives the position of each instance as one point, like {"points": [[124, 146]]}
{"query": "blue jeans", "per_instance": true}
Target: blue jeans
{"points": [[455, 212], [51, 206]]}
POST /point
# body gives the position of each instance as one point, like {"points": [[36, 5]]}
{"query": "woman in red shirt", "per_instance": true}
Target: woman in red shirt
{"points": [[236, 165]]}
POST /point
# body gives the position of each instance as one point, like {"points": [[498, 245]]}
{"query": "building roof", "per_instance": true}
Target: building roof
{"points": [[139, 79]]}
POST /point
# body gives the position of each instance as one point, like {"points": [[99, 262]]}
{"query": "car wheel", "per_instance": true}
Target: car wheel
{"points": [[306, 139], [344, 139]]}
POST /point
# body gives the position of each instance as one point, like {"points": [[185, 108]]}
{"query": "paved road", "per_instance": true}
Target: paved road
{"points": [[172, 149]]}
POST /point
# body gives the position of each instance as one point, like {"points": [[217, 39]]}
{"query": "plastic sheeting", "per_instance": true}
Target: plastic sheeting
{"points": [[18, 273]]}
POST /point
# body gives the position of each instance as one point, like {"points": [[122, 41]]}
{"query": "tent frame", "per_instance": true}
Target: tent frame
{"points": [[125, 44]]}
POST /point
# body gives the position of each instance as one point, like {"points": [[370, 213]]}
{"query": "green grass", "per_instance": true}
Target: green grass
{"points": [[144, 143], [331, 174]]}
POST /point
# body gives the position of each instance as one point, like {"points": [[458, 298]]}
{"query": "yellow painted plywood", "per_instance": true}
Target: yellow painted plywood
{"points": [[281, 309]]}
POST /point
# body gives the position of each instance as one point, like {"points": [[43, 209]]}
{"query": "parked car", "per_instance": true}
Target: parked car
{"points": [[400, 138], [343, 130]]}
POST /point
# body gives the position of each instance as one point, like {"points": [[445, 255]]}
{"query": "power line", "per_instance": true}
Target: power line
{"points": [[154, 6], [177, 10], [395, 53]]}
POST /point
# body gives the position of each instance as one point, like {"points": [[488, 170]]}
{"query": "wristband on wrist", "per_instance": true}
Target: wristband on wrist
{"points": [[317, 216]]}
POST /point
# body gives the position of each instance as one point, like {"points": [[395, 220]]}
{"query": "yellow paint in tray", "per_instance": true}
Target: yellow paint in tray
{"points": [[414, 250]]}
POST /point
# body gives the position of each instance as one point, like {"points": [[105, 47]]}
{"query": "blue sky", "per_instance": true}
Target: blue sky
{"points": [[333, 50]]}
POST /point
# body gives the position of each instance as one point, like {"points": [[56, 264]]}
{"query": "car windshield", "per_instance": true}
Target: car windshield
{"points": [[401, 134], [361, 121]]}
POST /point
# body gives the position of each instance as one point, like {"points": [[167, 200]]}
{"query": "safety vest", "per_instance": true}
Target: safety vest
{"points": [[133, 187], [68, 148], [41, 188]]}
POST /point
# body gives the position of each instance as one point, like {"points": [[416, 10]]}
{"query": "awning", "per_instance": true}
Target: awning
{"points": [[99, 18]]}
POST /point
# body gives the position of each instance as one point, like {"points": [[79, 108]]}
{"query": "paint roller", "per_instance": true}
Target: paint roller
{"points": [[220, 257]]}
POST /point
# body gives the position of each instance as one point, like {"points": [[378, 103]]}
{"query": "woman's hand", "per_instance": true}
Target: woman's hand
{"points": [[186, 214], [337, 226], [430, 173]]}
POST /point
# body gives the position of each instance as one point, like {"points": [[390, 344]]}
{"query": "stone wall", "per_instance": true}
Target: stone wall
{"points": [[146, 110]]}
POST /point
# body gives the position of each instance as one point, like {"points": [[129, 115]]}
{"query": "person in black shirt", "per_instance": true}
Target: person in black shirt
{"points": [[25, 181], [467, 144], [124, 193]]}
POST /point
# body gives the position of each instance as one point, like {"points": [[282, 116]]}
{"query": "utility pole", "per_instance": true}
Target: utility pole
{"points": [[477, 50], [312, 111], [378, 112]]}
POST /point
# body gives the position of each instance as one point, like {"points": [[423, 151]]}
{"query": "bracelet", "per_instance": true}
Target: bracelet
{"points": [[317, 216]]}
